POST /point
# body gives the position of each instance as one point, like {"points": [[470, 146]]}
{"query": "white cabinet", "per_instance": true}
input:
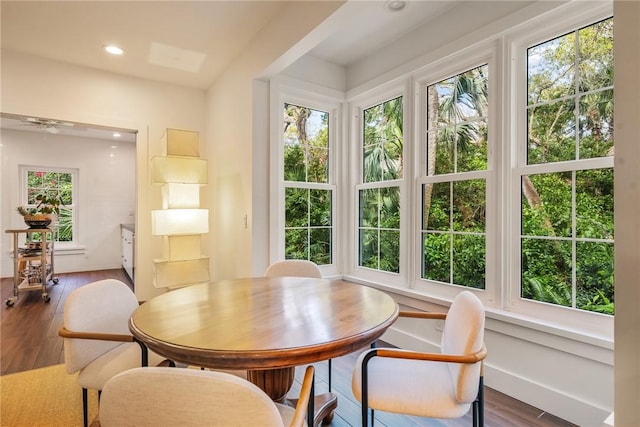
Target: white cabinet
{"points": [[128, 242]]}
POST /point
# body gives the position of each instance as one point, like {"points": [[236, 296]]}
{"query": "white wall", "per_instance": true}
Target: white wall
{"points": [[627, 214], [105, 193], [45, 88], [236, 130], [322, 73]]}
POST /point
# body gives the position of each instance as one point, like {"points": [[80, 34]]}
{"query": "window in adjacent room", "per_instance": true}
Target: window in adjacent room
{"points": [[58, 182]]}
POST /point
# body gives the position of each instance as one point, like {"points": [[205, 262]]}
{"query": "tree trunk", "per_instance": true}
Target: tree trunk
{"points": [[432, 132], [533, 199]]}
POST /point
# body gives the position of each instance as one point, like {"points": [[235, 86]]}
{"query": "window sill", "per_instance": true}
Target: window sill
{"points": [[64, 250], [503, 321]]}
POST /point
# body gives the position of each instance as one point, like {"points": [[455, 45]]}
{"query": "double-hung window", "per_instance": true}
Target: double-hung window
{"points": [[565, 171], [489, 169], [308, 193], [382, 142], [454, 186]]}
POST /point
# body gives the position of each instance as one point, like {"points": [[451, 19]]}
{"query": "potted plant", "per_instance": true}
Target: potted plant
{"points": [[44, 212]]}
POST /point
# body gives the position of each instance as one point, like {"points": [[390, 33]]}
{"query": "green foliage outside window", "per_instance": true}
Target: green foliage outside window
{"points": [[58, 185], [567, 217], [308, 220], [379, 229], [566, 244], [383, 141], [306, 144], [551, 239], [454, 233], [453, 214], [379, 208]]}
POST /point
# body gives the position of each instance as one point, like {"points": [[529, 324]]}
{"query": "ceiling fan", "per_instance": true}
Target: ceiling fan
{"points": [[49, 125]]}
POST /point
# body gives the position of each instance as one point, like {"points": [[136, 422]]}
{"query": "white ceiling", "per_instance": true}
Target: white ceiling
{"points": [[184, 42], [171, 31], [373, 26], [163, 40]]}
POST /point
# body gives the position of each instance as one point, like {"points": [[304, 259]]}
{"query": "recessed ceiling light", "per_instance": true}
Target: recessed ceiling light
{"points": [[395, 5], [116, 135], [113, 49]]}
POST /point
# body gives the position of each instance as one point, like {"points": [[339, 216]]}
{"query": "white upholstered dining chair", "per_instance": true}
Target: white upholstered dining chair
{"points": [[434, 385], [159, 397], [293, 268], [97, 341]]}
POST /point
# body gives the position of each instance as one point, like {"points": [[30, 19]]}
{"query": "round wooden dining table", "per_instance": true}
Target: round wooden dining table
{"points": [[266, 325]]}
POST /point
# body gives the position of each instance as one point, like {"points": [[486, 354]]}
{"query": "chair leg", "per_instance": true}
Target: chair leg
{"points": [[365, 389], [373, 416], [481, 403], [365, 417], [474, 418], [329, 375], [478, 406], [311, 410], [85, 415]]}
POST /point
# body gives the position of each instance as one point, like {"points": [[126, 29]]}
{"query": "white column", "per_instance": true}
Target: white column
{"points": [[627, 212]]}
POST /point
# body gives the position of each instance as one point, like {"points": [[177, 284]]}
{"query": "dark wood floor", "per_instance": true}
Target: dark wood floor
{"points": [[29, 340]]}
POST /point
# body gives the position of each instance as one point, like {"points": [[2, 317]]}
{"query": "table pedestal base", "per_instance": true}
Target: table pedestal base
{"points": [[324, 406], [275, 382]]}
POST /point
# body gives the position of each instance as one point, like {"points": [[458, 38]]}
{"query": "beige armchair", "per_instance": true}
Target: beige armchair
{"points": [[435, 385], [97, 341], [159, 397]]}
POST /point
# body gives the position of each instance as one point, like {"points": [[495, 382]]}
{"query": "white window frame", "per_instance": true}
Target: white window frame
{"points": [[501, 50], [305, 95], [75, 173], [591, 323], [358, 106], [458, 63]]}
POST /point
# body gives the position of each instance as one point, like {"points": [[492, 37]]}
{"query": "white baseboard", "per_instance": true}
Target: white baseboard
{"points": [[555, 402]]}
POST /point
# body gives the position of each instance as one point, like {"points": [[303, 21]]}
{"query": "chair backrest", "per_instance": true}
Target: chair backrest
{"points": [[102, 306], [463, 333], [184, 397], [293, 268]]}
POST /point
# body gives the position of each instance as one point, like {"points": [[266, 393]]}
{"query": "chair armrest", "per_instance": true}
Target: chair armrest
{"points": [[435, 357], [304, 406], [422, 315], [102, 336]]}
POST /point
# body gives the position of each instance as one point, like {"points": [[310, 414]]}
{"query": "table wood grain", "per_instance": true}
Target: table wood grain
{"points": [[263, 322]]}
